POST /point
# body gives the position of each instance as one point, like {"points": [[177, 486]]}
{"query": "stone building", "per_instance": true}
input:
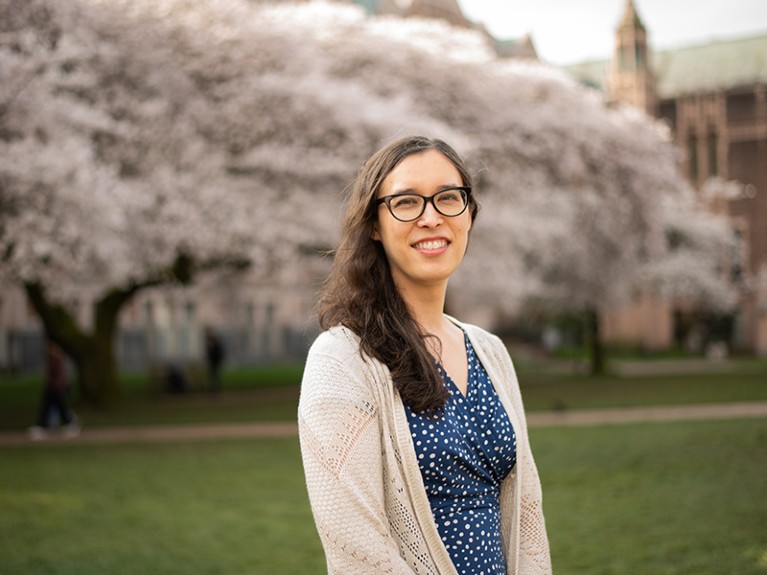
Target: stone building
{"points": [[713, 96]]}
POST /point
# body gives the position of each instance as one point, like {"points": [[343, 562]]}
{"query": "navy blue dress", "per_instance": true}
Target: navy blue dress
{"points": [[464, 454]]}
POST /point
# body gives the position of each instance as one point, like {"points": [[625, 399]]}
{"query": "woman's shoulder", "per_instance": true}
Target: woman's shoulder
{"points": [[337, 372], [338, 342]]}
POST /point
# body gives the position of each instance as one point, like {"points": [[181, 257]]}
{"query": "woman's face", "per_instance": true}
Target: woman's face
{"points": [[429, 249]]}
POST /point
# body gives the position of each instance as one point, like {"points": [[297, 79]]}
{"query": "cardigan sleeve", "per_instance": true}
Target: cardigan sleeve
{"points": [[343, 463]]}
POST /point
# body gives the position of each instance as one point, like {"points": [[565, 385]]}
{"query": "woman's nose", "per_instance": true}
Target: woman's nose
{"points": [[430, 216]]}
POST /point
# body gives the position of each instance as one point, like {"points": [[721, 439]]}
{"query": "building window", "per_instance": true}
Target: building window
{"points": [[741, 108], [692, 158], [668, 113], [713, 157]]}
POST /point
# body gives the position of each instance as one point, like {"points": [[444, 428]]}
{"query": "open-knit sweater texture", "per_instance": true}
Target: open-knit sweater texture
{"points": [[365, 487]]}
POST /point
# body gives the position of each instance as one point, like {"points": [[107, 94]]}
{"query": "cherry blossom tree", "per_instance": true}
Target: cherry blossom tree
{"points": [[693, 266], [108, 188], [146, 142], [143, 143]]}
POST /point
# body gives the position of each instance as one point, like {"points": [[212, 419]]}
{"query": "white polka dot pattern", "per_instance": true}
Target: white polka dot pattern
{"points": [[464, 454]]}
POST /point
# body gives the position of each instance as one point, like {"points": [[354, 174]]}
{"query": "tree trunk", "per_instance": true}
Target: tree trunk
{"points": [[92, 353], [97, 374], [594, 342]]}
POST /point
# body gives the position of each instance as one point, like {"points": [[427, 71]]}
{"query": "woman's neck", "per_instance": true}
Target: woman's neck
{"points": [[427, 305]]}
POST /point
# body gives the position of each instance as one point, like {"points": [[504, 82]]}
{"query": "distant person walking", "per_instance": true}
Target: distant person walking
{"points": [[53, 407], [214, 355]]}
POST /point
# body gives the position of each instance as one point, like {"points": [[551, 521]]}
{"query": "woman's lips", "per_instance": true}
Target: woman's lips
{"points": [[432, 246]]}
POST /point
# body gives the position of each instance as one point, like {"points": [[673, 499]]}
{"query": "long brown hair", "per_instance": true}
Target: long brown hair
{"points": [[360, 292]]}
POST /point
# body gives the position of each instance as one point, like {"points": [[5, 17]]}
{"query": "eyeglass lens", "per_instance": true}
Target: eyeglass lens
{"points": [[408, 207]]}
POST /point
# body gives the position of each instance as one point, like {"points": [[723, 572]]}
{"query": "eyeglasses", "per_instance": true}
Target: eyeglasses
{"points": [[451, 202]]}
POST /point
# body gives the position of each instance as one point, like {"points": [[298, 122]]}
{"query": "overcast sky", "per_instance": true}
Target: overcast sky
{"points": [[569, 31]]}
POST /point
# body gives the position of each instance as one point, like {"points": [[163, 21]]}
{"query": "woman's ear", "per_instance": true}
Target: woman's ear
{"points": [[375, 235]]}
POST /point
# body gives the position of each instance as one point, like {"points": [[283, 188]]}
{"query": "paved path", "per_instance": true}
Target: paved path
{"points": [[644, 414], [142, 434]]}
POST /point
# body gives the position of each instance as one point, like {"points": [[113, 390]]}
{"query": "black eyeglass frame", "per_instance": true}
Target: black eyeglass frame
{"points": [[465, 192]]}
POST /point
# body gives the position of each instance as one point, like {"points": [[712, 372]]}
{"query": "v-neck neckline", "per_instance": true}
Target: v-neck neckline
{"points": [[449, 378]]}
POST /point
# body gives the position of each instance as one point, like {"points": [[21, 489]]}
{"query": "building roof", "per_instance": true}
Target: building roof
{"points": [[450, 11], [720, 65], [593, 73], [515, 47], [630, 17], [368, 5], [715, 66]]}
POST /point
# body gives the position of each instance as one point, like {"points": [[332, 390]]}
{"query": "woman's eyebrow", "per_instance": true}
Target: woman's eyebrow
{"points": [[439, 189]]}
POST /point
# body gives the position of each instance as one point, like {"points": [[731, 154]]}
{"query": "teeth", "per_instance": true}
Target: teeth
{"points": [[434, 245]]}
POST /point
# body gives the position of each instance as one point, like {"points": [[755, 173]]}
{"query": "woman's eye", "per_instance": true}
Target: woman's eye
{"points": [[448, 198], [405, 202]]}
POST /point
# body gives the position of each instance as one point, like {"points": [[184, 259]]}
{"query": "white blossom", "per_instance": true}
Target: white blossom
{"points": [[132, 131]]}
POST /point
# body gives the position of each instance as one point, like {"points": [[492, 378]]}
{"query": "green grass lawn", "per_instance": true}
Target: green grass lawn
{"points": [[265, 393], [655, 499], [187, 508], [543, 391], [672, 498], [270, 393]]}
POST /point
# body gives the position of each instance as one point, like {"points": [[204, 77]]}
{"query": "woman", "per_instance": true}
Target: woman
{"points": [[411, 423]]}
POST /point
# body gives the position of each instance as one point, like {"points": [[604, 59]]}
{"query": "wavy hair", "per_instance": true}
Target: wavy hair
{"points": [[360, 292]]}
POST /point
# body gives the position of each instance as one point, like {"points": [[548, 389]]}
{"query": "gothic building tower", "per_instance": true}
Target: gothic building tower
{"points": [[631, 77], [713, 97]]}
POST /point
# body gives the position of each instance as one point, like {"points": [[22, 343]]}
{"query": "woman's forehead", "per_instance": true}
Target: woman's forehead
{"points": [[428, 170]]}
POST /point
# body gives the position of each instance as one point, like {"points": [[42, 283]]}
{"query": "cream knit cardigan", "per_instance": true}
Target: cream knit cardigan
{"points": [[365, 489]]}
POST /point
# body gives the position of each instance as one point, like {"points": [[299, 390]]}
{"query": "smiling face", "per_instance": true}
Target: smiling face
{"points": [[426, 251]]}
